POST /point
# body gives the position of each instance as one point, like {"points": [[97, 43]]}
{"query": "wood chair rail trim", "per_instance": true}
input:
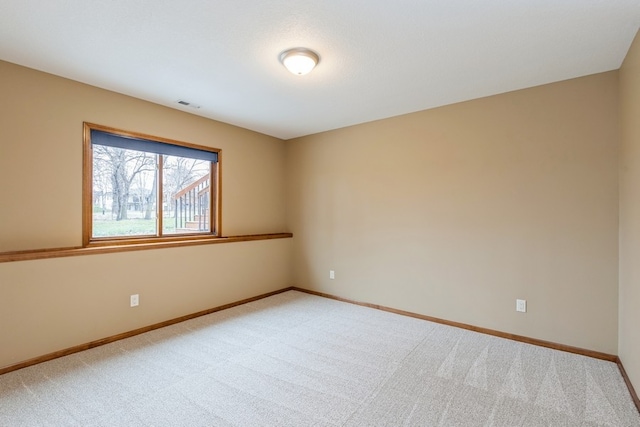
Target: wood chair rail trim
{"points": [[144, 245]]}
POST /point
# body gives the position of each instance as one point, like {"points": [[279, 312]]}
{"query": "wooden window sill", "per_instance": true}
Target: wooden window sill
{"points": [[106, 249]]}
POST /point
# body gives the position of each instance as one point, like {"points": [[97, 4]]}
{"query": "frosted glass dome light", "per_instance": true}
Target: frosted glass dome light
{"points": [[299, 60]]}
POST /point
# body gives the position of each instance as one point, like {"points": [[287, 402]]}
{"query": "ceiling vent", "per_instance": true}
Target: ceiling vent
{"points": [[187, 104]]}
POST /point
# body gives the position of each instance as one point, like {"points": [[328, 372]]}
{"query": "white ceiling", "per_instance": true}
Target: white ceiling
{"points": [[379, 58]]}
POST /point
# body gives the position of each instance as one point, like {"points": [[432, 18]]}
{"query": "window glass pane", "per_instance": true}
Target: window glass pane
{"points": [[186, 197], [124, 192]]}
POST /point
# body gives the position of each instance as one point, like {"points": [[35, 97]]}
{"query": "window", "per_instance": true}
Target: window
{"points": [[139, 188]]}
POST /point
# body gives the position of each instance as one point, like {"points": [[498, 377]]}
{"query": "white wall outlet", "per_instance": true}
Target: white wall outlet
{"points": [[521, 305], [135, 300], [332, 274]]}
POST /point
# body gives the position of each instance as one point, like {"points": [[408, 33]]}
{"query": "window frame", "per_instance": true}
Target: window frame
{"points": [[215, 198]]}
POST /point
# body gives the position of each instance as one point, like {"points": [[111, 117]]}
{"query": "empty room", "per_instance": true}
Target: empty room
{"points": [[293, 213]]}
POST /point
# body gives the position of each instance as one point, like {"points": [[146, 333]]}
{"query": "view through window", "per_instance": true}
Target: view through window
{"points": [[144, 187]]}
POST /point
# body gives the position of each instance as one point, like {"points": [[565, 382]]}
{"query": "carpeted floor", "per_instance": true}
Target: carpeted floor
{"points": [[299, 360]]}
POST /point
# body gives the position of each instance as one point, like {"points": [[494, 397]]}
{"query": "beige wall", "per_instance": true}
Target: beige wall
{"points": [[629, 327], [48, 305], [41, 158], [457, 211], [453, 212]]}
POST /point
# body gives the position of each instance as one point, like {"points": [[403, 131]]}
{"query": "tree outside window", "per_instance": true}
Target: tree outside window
{"points": [[148, 187]]}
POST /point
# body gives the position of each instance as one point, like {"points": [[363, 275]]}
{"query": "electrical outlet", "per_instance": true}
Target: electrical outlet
{"points": [[332, 274], [135, 300], [521, 305]]}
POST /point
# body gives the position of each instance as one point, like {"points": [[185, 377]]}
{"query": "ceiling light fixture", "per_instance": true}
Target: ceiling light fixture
{"points": [[299, 60]]}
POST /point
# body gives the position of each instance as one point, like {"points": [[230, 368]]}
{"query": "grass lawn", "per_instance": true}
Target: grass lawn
{"points": [[130, 227], [126, 227]]}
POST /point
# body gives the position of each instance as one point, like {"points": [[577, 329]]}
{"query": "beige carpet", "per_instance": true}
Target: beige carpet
{"points": [[300, 360]]}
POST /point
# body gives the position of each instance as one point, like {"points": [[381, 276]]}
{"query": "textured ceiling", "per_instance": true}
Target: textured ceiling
{"points": [[378, 58]]}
